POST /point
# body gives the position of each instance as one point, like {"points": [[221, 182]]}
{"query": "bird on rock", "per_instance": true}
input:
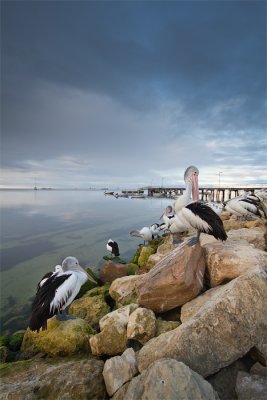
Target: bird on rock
{"points": [[57, 293]]}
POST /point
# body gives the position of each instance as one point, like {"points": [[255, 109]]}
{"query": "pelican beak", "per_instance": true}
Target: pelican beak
{"points": [[195, 192], [89, 276]]}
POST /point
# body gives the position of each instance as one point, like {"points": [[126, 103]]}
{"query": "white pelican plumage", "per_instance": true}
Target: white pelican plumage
{"points": [[144, 233], [57, 293], [196, 214]]}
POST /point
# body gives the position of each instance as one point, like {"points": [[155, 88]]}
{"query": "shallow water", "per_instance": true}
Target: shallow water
{"points": [[40, 228]]}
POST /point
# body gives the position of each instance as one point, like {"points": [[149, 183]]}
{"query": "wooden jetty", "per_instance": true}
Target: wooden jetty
{"points": [[216, 193]]}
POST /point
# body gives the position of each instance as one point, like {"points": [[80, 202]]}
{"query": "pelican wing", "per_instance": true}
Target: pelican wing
{"points": [[135, 233], [41, 309]]}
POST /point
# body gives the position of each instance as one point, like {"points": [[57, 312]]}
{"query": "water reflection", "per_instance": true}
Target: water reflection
{"points": [[41, 228]]}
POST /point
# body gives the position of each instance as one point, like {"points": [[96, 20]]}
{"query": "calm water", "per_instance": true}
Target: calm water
{"points": [[40, 228]]}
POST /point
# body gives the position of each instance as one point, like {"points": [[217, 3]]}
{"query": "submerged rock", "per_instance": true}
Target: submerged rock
{"points": [[61, 338], [224, 329], [176, 279], [168, 379]]}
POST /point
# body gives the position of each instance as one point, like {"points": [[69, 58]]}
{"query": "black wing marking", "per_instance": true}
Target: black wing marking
{"points": [[46, 276], [115, 249], [41, 304], [208, 215]]}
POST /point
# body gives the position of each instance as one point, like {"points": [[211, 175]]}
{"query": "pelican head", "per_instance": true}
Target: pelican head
{"points": [[191, 177], [72, 264]]}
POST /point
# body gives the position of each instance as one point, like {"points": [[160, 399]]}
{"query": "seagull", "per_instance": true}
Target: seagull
{"points": [[196, 214], [144, 233], [58, 268], [57, 293], [113, 248]]}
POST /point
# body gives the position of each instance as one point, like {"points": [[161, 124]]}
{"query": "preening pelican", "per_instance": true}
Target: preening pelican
{"points": [[57, 293], [113, 247]]}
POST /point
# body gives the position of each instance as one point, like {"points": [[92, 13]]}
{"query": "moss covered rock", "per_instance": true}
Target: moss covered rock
{"points": [[134, 260], [60, 339], [3, 354], [4, 340], [144, 256], [15, 340], [90, 308], [53, 379], [163, 326]]}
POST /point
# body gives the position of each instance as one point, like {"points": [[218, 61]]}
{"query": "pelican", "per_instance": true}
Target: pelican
{"points": [[196, 214], [58, 268], [215, 206], [243, 206], [144, 233], [168, 215], [155, 229], [113, 248], [57, 293]]}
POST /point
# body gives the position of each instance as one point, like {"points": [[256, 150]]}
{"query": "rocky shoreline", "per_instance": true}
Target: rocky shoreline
{"points": [[177, 322]]}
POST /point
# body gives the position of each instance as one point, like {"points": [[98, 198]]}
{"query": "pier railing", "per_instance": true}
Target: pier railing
{"points": [[222, 193]]}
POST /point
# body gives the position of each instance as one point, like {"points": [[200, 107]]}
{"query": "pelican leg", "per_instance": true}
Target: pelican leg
{"points": [[64, 315], [194, 240]]}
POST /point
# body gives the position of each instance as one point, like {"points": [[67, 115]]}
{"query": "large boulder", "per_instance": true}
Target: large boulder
{"points": [[112, 339], [176, 279], [123, 291], [224, 329], [141, 325], [232, 223], [53, 379], [111, 271], [226, 261], [189, 309], [60, 338], [255, 236], [118, 370], [168, 379]]}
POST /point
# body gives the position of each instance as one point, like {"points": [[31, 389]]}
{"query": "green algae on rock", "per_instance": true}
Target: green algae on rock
{"points": [[90, 308], [60, 339], [144, 256]]}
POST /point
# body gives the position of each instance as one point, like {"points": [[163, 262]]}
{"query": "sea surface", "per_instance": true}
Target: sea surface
{"points": [[39, 228]]}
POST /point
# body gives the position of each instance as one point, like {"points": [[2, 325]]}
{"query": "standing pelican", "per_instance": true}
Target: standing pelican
{"points": [[113, 247], [196, 214], [144, 233], [57, 293], [155, 229]]}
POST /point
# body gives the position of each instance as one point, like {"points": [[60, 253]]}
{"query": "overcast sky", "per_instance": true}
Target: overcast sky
{"points": [[127, 93]]}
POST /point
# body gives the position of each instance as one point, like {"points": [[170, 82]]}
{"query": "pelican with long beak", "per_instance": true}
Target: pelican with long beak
{"points": [[196, 214], [57, 293]]}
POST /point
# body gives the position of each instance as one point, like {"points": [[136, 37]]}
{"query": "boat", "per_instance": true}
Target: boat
{"points": [[138, 196], [109, 193]]}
